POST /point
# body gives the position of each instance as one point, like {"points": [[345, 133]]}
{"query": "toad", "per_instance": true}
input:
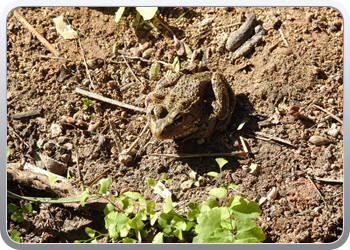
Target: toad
{"points": [[191, 107]]}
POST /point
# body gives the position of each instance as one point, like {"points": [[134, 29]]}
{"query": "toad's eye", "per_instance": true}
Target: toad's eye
{"points": [[158, 112], [178, 120]]}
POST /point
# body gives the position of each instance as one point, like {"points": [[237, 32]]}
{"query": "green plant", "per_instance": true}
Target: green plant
{"points": [[15, 236], [204, 223], [228, 224], [130, 218], [193, 176], [87, 103], [16, 214], [146, 12], [221, 162]]}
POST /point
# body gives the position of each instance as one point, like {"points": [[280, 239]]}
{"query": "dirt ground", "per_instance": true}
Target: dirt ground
{"points": [[289, 88]]}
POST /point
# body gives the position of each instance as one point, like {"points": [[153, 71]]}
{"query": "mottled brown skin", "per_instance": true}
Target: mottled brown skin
{"points": [[195, 107]]}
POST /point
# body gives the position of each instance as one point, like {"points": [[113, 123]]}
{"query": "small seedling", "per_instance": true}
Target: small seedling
{"points": [[15, 236], [16, 214], [52, 179], [193, 176], [39, 143], [87, 103], [146, 12]]}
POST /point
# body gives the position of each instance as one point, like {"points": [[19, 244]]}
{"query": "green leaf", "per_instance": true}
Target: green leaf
{"points": [[178, 234], [89, 231], [253, 168], [150, 205], [26, 208], [133, 195], [168, 205], [218, 192], [108, 209], [127, 205], [129, 240], [114, 48], [233, 186], [137, 19], [11, 208], [163, 176], [136, 222], [248, 232], [50, 200], [210, 221], [123, 224], [213, 174], [104, 185], [153, 218], [136, 196], [192, 215], [176, 65], [15, 236], [244, 209], [17, 217], [113, 231], [189, 225], [52, 179], [84, 197], [39, 143], [221, 162], [178, 223], [147, 12], [154, 71], [193, 205], [158, 238], [193, 175], [150, 182], [168, 181], [87, 103], [119, 14], [188, 51], [208, 205], [68, 174]]}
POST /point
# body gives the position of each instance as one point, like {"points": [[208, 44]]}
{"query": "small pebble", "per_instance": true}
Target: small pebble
{"points": [[144, 46], [148, 52], [319, 140], [334, 28], [56, 130], [272, 194], [200, 141], [284, 51], [186, 185], [330, 100], [333, 131]]}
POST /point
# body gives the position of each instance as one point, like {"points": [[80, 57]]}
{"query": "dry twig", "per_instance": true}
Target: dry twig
{"points": [[85, 64], [329, 180], [35, 32], [26, 114], [132, 72], [329, 113], [274, 138], [108, 100], [234, 153], [319, 193], [283, 37]]}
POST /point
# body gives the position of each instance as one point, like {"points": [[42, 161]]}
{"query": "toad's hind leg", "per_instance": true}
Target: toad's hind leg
{"points": [[224, 102]]}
